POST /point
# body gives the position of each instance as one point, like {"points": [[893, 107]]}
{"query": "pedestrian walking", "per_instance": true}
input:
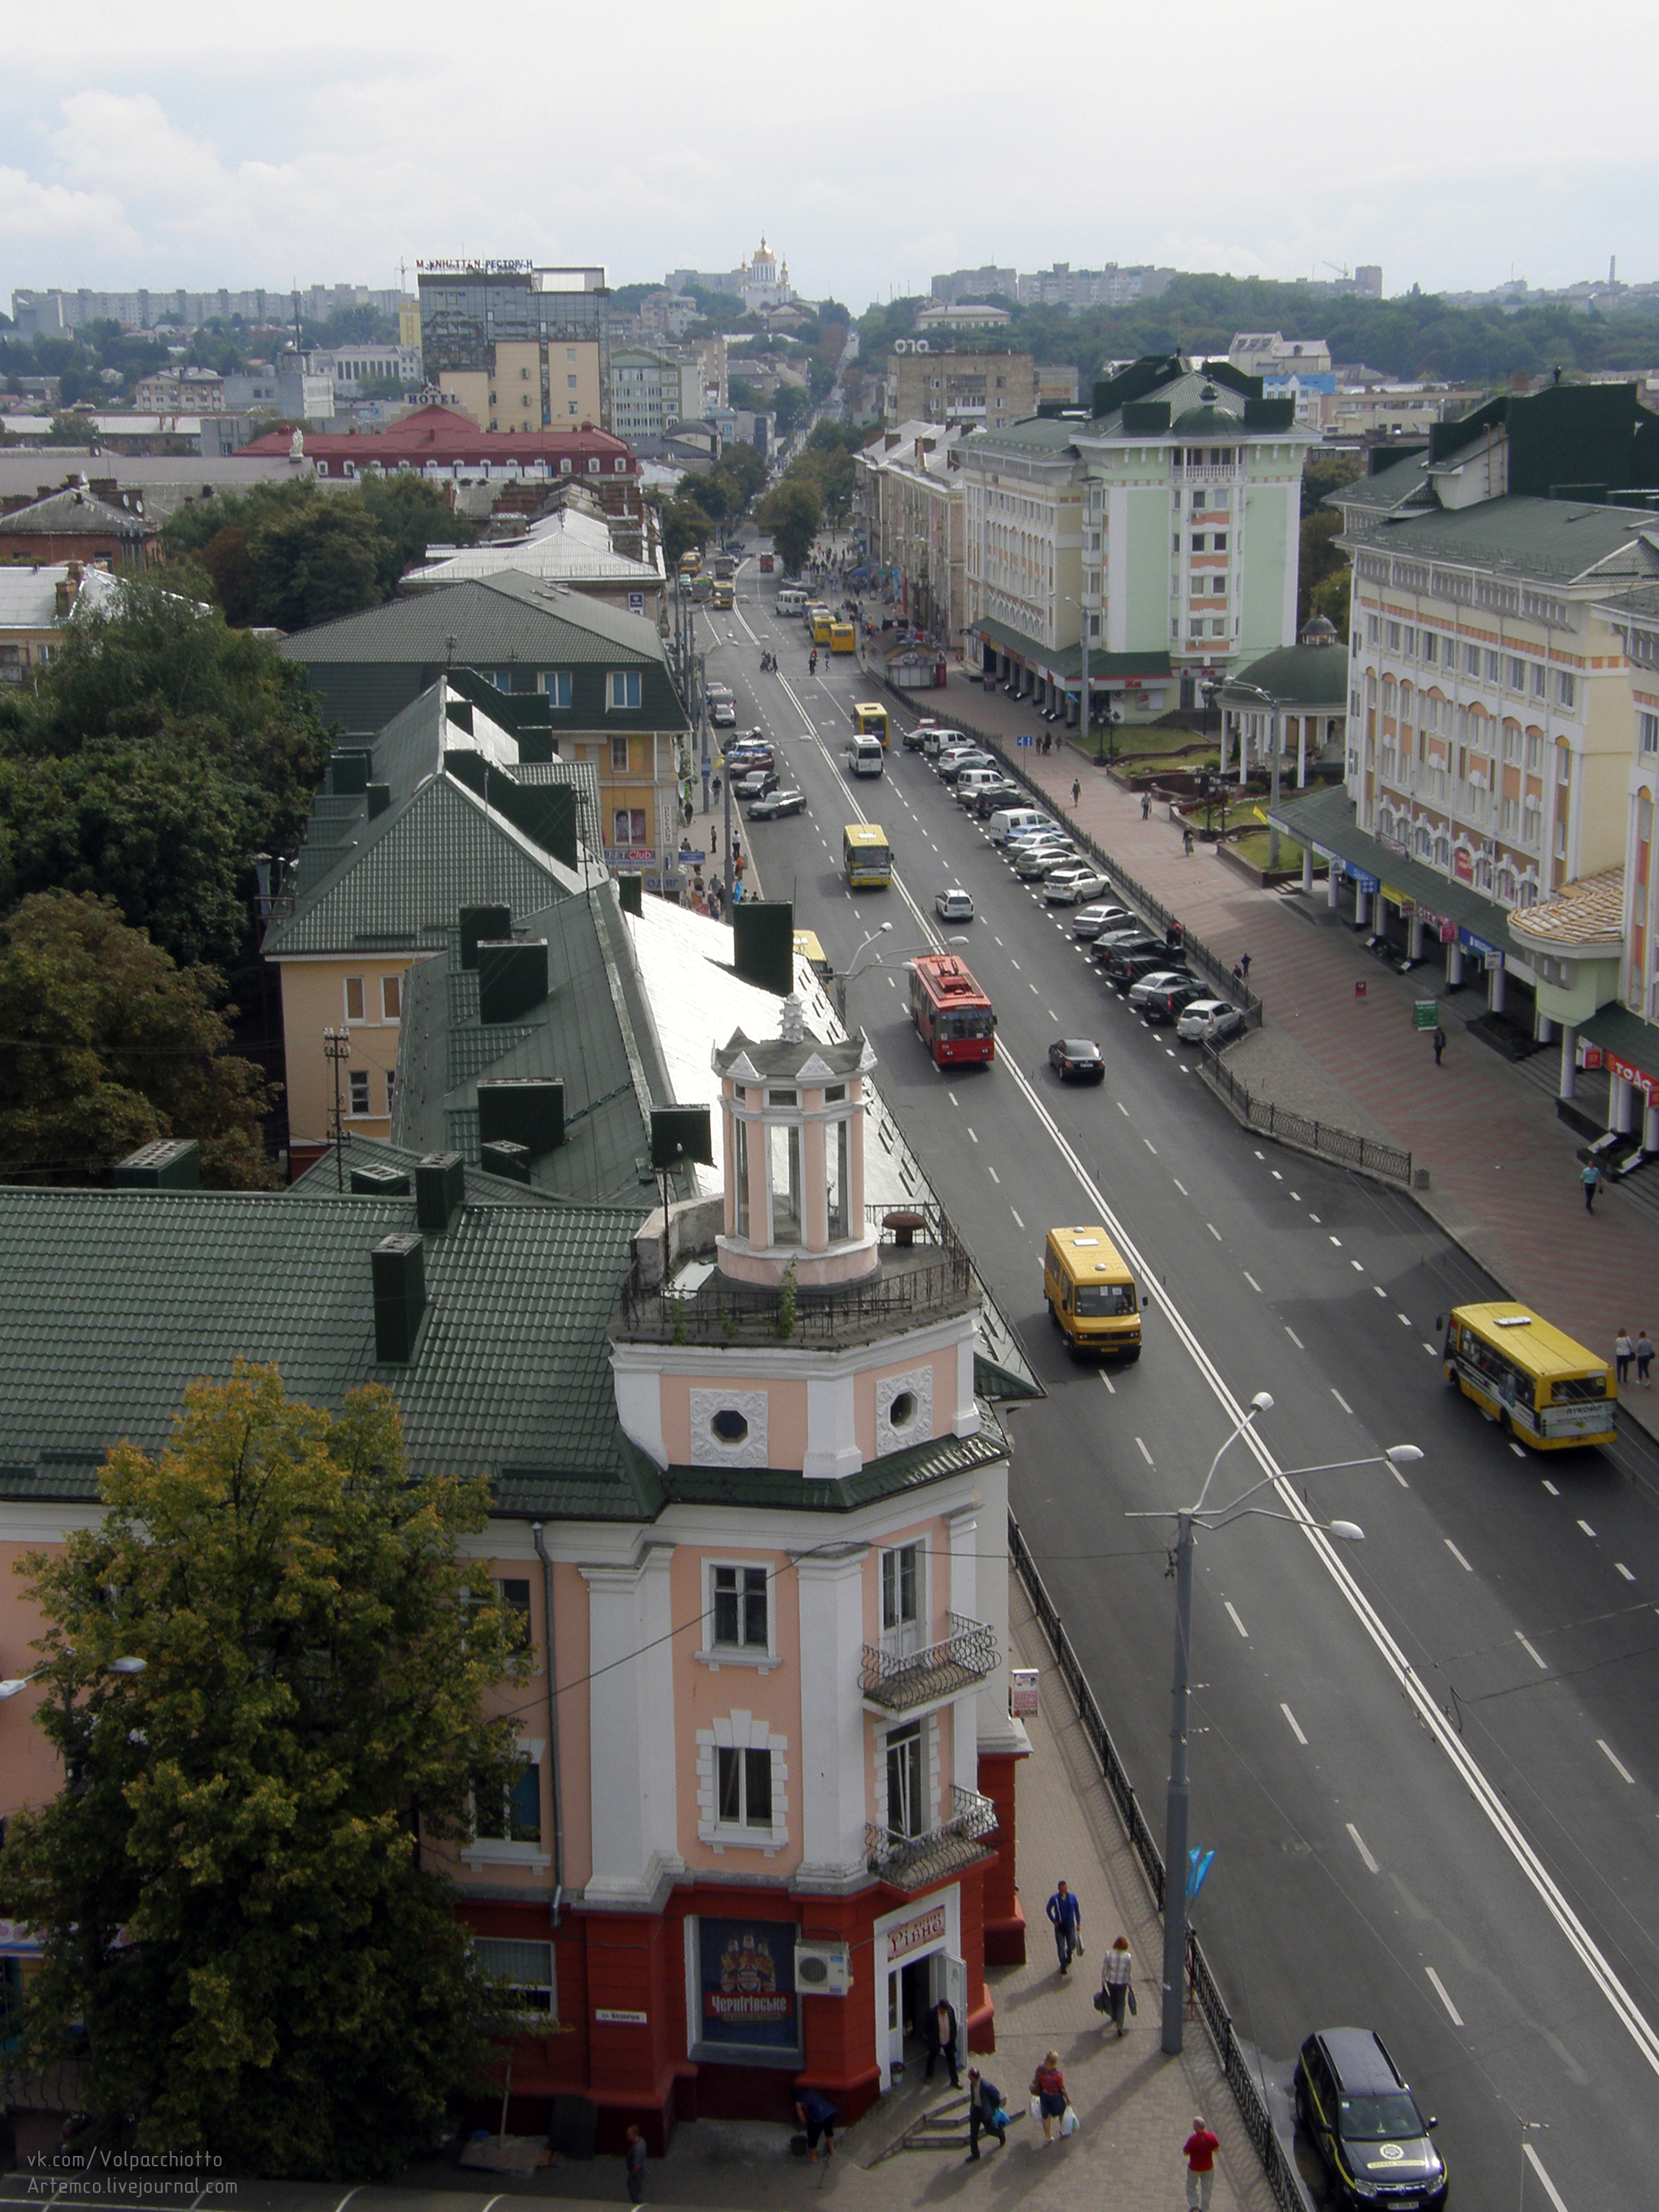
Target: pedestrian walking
{"points": [[818, 2116], [1644, 1359], [1115, 1976], [942, 2041], [1244, 962], [1623, 1352], [1187, 844], [1591, 1180], [1439, 1043], [1238, 978], [1145, 804], [634, 2159], [1077, 792], [1048, 2094], [986, 2114], [1199, 2150], [1065, 1918]]}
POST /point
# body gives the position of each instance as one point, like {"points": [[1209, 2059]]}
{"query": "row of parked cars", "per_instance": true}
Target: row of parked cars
{"points": [[757, 786]]}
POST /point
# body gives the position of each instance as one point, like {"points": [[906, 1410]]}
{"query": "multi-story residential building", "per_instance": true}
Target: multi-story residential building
{"points": [[349, 369], [1167, 521], [516, 347], [964, 315], [925, 384], [909, 502], [1490, 753], [1396, 410], [1062, 286], [74, 524], [1266, 353], [986, 284], [48, 312], [652, 392]]}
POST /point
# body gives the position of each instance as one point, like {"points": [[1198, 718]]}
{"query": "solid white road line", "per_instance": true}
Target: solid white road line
{"points": [[1371, 1866], [1458, 1556], [1233, 1615], [1444, 1996], [1617, 1763], [1549, 2187], [1295, 1726]]}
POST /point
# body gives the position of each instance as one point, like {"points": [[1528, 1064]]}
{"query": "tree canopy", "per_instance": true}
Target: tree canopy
{"points": [[229, 1890], [791, 513], [106, 1044]]}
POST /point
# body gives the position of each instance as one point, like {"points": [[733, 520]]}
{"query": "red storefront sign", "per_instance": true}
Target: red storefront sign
{"points": [[915, 1935], [1647, 1085]]}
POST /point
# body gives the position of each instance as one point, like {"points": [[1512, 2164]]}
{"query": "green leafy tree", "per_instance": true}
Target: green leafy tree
{"points": [[792, 513], [229, 1891], [743, 471], [410, 514], [685, 523], [1323, 474], [1321, 557], [320, 562], [107, 1044]]}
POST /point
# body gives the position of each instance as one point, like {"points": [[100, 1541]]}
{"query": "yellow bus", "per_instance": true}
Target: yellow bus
{"points": [[822, 626], [866, 855], [722, 590], [807, 948], [870, 720], [690, 562], [843, 638], [1089, 1288], [1525, 1374]]}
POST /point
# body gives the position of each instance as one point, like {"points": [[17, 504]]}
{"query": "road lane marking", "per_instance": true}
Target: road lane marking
{"points": [[1405, 1319], [1033, 989], [1144, 1454], [1014, 964], [1050, 1011], [1531, 1651], [1379, 1288], [1342, 1401], [992, 1172], [1397, 1475], [1359, 1264], [1429, 1348], [1444, 1996], [1617, 1763], [1585, 1526], [954, 1100], [972, 1132], [1150, 1146], [1233, 1615], [1623, 1570], [1519, 1453], [1371, 1866], [1123, 1109], [1108, 1380], [1313, 1217], [1296, 1729], [1337, 1241], [1294, 1338], [1252, 1281], [1277, 1177], [1550, 2189], [1296, 1195], [1181, 1186], [996, 940], [1213, 1230], [1551, 1488], [1458, 1556], [1261, 1156], [1014, 1209]]}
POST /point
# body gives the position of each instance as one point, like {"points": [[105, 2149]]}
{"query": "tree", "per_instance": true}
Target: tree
{"points": [[108, 1045], [410, 514], [791, 513], [229, 1892], [684, 523], [320, 562], [1321, 558]]}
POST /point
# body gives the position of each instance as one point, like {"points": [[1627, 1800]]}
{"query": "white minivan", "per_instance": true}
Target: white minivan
{"points": [[975, 779], [1010, 821], [791, 600], [867, 756]]}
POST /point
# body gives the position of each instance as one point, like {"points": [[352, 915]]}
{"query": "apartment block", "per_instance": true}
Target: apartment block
{"points": [[516, 347], [925, 384]]}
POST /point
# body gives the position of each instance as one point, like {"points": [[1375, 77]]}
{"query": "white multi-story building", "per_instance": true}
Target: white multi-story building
{"points": [[349, 369], [651, 393]]}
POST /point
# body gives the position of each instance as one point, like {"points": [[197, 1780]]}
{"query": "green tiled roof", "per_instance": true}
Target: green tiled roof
{"points": [[112, 1302], [767, 1489], [1403, 483], [1302, 675], [1555, 540]]}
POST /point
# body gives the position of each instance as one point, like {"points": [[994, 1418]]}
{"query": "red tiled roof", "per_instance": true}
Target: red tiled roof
{"points": [[441, 434]]}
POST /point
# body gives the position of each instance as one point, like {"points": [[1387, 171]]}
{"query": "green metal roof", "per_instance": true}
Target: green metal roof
{"points": [[112, 1302], [1325, 821], [1312, 677], [1617, 1029], [1554, 540], [769, 1489], [1066, 661]]}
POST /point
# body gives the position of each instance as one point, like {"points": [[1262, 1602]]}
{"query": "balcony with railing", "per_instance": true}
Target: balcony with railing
{"points": [[916, 1862], [897, 1682]]}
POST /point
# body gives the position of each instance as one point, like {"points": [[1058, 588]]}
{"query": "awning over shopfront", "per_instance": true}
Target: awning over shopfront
{"points": [[1630, 1047], [1064, 664], [1324, 821]]}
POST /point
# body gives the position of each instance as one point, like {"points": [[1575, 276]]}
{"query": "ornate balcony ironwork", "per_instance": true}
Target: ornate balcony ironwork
{"points": [[897, 1681], [914, 1861]]}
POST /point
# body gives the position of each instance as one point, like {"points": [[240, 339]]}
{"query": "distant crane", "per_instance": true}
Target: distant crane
{"points": [[1343, 272]]}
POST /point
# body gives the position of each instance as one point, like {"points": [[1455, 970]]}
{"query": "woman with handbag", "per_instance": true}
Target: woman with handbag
{"points": [[1116, 1977], [1048, 2099]]}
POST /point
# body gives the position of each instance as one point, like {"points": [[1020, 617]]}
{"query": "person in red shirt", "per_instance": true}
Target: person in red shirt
{"points": [[1199, 2149]]}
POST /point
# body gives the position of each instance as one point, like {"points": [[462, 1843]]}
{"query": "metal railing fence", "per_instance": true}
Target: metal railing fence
{"points": [[1345, 1146]]}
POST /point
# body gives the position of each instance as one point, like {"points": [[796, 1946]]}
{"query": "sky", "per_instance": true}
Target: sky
{"points": [[185, 144]]}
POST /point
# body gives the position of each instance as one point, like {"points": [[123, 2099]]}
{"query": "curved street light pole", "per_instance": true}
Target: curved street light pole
{"points": [[1188, 1519]]}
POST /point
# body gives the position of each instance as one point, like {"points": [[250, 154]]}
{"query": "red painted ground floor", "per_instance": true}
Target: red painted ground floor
{"points": [[727, 2000]]}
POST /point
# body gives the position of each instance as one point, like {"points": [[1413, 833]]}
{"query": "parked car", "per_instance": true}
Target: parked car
{"points": [[1027, 834], [722, 714], [1076, 1059], [1017, 819], [1070, 886], [772, 804], [755, 784], [970, 781], [954, 905], [1130, 935], [1170, 1004], [750, 752], [994, 798], [1353, 2105], [1160, 979], [1143, 953], [1090, 921], [1206, 1021], [950, 765], [1035, 859]]}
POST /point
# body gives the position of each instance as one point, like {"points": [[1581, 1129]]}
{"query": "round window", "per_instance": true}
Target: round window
{"points": [[903, 1411], [729, 1425]]}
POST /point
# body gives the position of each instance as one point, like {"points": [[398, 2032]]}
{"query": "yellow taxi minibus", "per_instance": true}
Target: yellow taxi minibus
{"points": [[1526, 1374], [808, 948], [870, 720], [843, 637], [822, 625], [1089, 1288]]}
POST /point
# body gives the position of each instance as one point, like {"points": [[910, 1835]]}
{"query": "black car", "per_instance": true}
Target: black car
{"points": [[1076, 1059], [1115, 956], [776, 803], [1353, 2106], [1167, 1005], [993, 798], [756, 783]]}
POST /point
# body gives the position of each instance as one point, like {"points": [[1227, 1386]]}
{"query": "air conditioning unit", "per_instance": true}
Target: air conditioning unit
{"points": [[824, 1969]]}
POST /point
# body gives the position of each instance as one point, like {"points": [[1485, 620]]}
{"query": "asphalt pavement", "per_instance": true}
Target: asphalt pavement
{"points": [[1427, 1763]]}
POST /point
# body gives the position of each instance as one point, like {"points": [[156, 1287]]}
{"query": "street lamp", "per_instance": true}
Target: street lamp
{"points": [[1189, 1519], [127, 1664]]}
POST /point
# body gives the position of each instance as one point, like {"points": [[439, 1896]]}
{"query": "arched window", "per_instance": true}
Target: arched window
{"points": [[1390, 695]]}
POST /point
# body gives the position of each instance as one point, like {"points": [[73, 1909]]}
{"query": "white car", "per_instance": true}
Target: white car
{"points": [[1044, 826], [1207, 1020], [723, 715], [1161, 979], [1073, 884], [954, 905]]}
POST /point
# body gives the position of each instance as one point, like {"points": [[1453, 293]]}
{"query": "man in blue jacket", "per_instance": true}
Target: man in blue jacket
{"points": [[1065, 1916], [985, 2111]]}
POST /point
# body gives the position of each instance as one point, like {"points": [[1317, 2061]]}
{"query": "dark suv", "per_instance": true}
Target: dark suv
{"points": [[1352, 2104]]}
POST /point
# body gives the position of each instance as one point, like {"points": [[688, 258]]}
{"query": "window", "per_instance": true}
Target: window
{"points": [[1470, 660], [527, 1969], [392, 998], [1198, 501], [1514, 674], [1372, 627], [838, 1163], [1198, 541], [630, 825], [783, 1160], [739, 1608], [1563, 765], [556, 683], [619, 754], [1647, 730], [623, 685], [518, 1819], [1566, 687], [907, 1811], [359, 1083], [1430, 647], [1409, 645], [1393, 629], [390, 1092], [356, 998], [898, 1589], [744, 1787], [1218, 542]]}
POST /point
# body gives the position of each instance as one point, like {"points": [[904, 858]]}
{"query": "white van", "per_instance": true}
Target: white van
{"points": [[975, 779], [867, 756], [792, 599], [1010, 821]]}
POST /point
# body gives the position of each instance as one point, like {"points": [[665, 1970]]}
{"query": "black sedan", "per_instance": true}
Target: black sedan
{"points": [[1076, 1059], [758, 783], [776, 803]]}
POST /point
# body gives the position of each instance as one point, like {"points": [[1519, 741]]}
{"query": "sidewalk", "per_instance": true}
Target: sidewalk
{"points": [[1505, 1174]]}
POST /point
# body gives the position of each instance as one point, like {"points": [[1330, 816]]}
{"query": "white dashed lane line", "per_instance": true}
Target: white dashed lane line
{"points": [[1294, 1338], [1617, 1763], [1342, 1401], [1623, 1570], [1371, 1866], [1444, 1996], [992, 1172], [1458, 1556], [1296, 1729], [1233, 1615], [1140, 1443], [1532, 1653], [1253, 1283]]}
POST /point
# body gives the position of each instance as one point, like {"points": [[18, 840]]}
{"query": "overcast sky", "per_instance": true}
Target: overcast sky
{"points": [[205, 145]]}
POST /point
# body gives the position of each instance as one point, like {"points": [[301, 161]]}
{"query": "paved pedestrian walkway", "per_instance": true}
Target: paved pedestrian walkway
{"points": [[1503, 1171]]}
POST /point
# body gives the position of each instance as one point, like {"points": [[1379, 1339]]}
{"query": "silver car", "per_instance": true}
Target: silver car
{"points": [[1036, 861], [1206, 1021], [1069, 886]]}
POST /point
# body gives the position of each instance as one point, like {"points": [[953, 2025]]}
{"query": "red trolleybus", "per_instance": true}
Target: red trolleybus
{"points": [[952, 1015]]}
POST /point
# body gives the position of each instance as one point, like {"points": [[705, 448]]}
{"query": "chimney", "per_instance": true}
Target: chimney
{"points": [[164, 1163], [439, 1188], [631, 893], [348, 772], [478, 922], [380, 1182], [379, 798], [522, 1109], [511, 978], [502, 1156], [398, 1266]]}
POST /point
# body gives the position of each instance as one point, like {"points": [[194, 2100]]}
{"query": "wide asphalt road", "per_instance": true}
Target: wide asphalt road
{"points": [[1427, 1763]]}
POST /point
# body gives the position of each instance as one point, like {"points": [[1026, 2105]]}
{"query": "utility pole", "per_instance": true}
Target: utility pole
{"points": [[1175, 1813], [337, 1047]]}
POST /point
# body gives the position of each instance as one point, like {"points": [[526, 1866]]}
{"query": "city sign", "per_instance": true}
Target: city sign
{"points": [[473, 268]]}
